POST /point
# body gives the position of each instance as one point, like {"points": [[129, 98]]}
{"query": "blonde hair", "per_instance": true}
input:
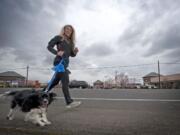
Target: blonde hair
{"points": [[72, 38]]}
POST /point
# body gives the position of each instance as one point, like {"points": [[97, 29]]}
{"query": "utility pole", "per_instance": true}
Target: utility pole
{"points": [[159, 75], [116, 72], [27, 71]]}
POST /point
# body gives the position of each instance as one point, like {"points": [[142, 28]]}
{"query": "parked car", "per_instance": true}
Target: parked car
{"points": [[4, 85], [148, 86], [78, 84]]}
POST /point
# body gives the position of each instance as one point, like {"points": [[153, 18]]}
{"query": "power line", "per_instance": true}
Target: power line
{"points": [[118, 66], [87, 68], [100, 67], [13, 68], [170, 63], [38, 68]]}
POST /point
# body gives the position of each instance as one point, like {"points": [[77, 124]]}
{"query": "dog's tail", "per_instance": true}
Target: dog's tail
{"points": [[8, 93]]}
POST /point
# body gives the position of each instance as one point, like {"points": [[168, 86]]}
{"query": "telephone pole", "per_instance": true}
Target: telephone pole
{"points": [[116, 72], [27, 72], [159, 75]]}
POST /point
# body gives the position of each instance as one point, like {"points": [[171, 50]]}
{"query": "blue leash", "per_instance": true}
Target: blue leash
{"points": [[58, 68]]}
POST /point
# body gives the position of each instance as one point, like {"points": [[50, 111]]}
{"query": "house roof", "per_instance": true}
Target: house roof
{"points": [[10, 74], [98, 82], [152, 74]]}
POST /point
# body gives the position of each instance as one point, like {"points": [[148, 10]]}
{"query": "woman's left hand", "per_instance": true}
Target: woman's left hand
{"points": [[76, 50]]}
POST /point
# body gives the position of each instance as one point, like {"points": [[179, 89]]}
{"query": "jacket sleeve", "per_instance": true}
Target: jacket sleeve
{"points": [[52, 43]]}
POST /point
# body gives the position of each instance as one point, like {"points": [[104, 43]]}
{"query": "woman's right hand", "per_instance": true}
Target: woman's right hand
{"points": [[60, 53]]}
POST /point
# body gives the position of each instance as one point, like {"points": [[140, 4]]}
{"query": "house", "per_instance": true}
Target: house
{"points": [[98, 84], [11, 79], [166, 81], [147, 78]]}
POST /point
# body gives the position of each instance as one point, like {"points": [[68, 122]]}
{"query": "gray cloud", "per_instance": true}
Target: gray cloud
{"points": [[166, 39], [48, 60], [22, 55], [173, 56], [99, 49], [154, 23], [158, 8], [131, 36], [25, 26], [153, 29]]}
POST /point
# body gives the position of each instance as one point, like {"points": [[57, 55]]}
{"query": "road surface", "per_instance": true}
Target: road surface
{"points": [[104, 112]]}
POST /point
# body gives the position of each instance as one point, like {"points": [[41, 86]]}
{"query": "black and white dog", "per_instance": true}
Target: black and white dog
{"points": [[34, 103]]}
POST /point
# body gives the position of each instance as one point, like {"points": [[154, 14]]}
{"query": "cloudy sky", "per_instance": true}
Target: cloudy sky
{"points": [[112, 36]]}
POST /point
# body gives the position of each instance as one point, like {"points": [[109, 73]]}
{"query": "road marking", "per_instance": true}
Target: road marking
{"points": [[115, 99]]}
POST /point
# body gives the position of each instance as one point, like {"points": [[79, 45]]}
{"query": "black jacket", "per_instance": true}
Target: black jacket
{"points": [[63, 46]]}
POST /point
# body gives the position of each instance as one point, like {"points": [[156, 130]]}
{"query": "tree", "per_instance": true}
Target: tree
{"points": [[122, 80]]}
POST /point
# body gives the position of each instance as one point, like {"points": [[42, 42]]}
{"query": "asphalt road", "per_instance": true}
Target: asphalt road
{"points": [[104, 112]]}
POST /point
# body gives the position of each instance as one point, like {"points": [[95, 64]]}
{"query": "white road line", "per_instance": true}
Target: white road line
{"points": [[115, 99]]}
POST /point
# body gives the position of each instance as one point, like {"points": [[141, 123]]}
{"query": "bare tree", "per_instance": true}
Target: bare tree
{"points": [[122, 80]]}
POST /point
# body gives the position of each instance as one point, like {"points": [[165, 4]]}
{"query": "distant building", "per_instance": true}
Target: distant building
{"points": [[147, 78], [166, 81], [11, 79], [98, 84]]}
